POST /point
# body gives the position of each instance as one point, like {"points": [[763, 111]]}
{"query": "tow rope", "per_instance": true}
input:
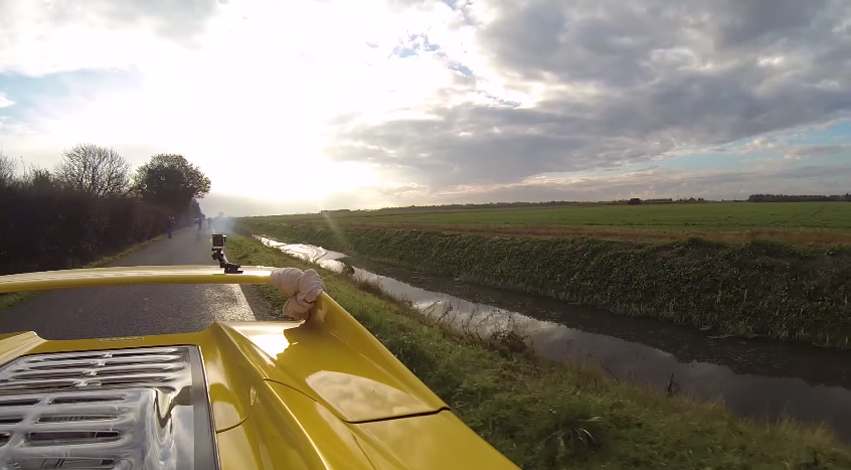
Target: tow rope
{"points": [[302, 287]]}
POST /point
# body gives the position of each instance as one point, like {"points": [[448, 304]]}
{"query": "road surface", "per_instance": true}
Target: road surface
{"points": [[103, 312]]}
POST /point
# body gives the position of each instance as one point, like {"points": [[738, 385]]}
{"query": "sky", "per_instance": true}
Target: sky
{"points": [[305, 105]]}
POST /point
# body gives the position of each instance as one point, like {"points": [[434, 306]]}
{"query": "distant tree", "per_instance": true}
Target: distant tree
{"points": [[634, 201], [194, 208], [96, 170], [170, 181], [793, 198]]}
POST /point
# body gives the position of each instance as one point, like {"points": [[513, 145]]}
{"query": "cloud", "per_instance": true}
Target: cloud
{"points": [[661, 182], [239, 204], [307, 102], [646, 183], [38, 38], [816, 151], [5, 102], [608, 84]]}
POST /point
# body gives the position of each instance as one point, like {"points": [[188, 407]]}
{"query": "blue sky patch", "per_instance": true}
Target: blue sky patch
{"points": [[715, 160], [461, 68], [413, 45], [28, 92], [837, 133]]}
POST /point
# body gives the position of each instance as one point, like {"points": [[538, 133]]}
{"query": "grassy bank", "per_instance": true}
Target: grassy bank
{"points": [[755, 288], [548, 416], [16, 298]]}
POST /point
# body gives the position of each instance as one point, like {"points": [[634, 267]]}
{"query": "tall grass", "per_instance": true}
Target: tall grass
{"points": [[551, 416]]}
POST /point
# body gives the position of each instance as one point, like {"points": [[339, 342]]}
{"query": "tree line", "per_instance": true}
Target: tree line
{"points": [[90, 204], [458, 206], [506, 205], [799, 198], [616, 202]]}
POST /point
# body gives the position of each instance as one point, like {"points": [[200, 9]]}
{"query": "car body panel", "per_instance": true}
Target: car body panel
{"points": [[435, 441], [134, 275], [320, 394]]}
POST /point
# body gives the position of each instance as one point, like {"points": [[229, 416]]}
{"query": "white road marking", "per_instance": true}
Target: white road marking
{"points": [[241, 307], [227, 302]]}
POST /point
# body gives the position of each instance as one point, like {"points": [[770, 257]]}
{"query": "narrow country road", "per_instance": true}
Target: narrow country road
{"points": [[134, 310]]}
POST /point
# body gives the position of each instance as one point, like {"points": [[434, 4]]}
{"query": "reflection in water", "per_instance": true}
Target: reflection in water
{"points": [[756, 378]]}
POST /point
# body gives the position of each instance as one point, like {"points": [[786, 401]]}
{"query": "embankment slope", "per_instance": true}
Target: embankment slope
{"points": [[754, 288]]}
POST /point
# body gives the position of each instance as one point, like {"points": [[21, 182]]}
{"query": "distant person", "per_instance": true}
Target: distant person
{"points": [[200, 222], [170, 223], [210, 223]]}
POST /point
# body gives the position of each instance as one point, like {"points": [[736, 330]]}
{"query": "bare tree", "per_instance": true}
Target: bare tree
{"points": [[7, 170], [99, 171]]}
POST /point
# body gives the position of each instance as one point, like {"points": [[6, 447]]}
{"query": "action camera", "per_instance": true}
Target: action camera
{"points": [[219, 240]]}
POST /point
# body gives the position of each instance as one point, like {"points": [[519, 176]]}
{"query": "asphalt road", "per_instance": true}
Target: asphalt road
{"points": [[103, 312]]}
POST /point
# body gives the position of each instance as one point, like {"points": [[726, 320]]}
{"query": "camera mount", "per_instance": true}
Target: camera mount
{"points": [[219, 240]]}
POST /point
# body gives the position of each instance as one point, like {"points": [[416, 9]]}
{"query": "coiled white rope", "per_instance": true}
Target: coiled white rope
{"points": [[302, 287]]}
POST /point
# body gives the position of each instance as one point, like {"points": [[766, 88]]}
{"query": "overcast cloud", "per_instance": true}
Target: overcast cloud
{"points": [[624, 83], [317, 104]]}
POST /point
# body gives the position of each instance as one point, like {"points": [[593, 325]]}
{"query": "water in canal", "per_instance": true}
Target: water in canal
{"points": [[755, 377]]}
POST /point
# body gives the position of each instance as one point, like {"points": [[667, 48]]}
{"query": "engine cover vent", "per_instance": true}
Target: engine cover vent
{"points": [[144, 408]]}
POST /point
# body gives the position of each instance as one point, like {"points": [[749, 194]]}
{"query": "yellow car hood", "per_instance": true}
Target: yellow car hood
{"points": [[310, 395], [349, 383]]}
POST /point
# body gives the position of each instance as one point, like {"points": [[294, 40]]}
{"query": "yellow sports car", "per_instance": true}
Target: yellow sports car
{"points": [[316, 393]]}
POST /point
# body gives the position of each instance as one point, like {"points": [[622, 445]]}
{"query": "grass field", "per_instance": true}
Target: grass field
{"points": [[549, 416], [805, 222]]}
